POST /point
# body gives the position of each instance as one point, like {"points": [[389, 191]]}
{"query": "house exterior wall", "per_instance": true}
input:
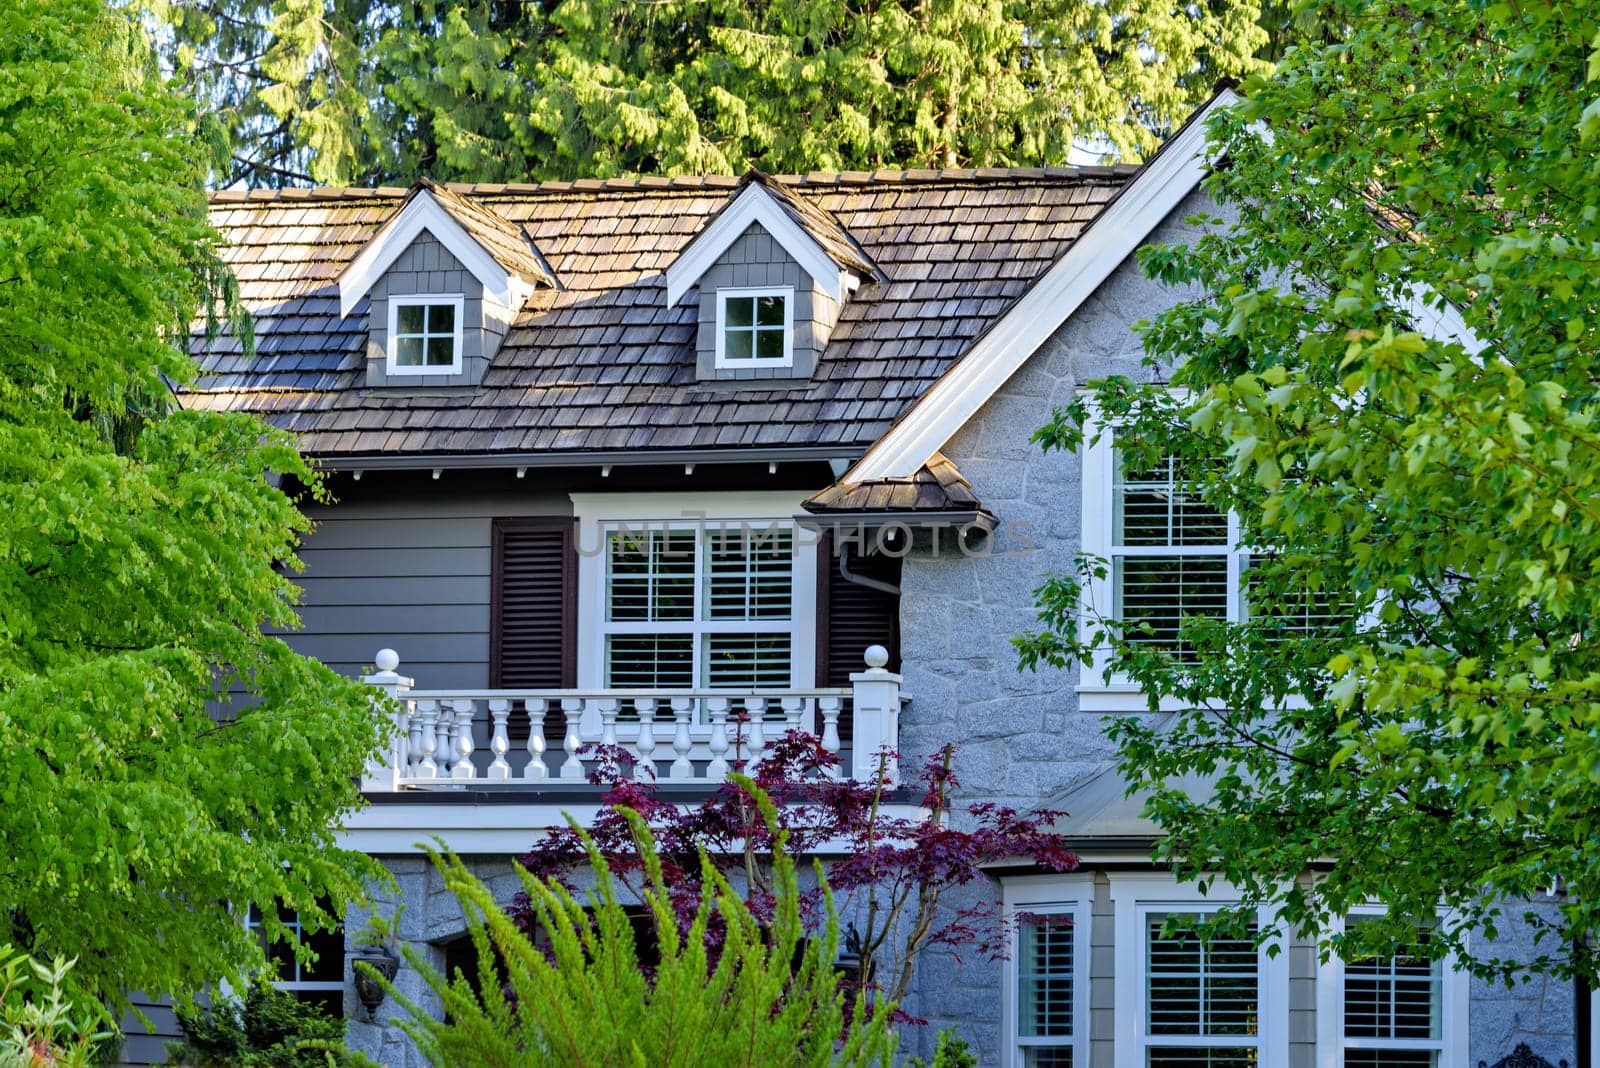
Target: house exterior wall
{"points": [[756, 259], [427, 267]]}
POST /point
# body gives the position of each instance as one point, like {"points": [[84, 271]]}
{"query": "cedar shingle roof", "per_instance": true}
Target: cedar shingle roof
{"points": [[938, 487], [607, 365], [499, 236], [822, 227]]}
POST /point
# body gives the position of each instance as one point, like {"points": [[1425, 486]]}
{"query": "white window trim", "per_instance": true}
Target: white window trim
{"points": [[1067, 895], [1097, 692], [1133, 897], [1455, 994], [412, 300], [746, 292], [598, 511]]}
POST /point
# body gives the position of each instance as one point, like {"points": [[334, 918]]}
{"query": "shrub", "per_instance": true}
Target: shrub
{"points": [[38, 1025], [759, 994], [270, 1028]]}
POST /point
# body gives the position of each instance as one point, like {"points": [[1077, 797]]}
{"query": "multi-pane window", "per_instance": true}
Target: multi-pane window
{"points": [[1202, 999], [754, 327], [1393, 1010], [1172, 556], [320, 982], [425, 334], [691, 608], [1046, 951]]}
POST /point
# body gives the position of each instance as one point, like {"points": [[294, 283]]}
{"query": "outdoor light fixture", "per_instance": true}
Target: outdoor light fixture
{"points": [[379, 959]]}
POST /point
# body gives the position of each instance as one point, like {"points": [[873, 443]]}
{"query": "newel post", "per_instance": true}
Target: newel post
{"points": [[384, 771], [875, 702]]}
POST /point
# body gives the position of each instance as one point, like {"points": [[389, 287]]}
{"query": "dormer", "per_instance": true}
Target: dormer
{"points": [[770, 273], [445, 278]]}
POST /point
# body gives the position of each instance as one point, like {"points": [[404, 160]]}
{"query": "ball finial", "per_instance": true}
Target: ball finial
{"points": [[877, 656], [387, 660]]}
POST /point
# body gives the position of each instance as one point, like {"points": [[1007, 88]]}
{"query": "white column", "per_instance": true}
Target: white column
{"points": [[499, 741], [876, 704], [717, 713], [682, 711], [645, 770], [385, 769], [572, 767], [536, 771]]}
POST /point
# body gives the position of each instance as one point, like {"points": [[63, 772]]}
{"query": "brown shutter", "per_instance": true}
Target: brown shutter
{"points": [[851, 616], [533, 604]]}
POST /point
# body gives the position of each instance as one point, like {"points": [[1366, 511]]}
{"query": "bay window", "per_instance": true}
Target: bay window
{"points": [[1398, 1011], [1046, 991]]}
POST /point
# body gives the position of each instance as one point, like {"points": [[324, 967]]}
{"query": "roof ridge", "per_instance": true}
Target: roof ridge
{"points": [[657, 184]]}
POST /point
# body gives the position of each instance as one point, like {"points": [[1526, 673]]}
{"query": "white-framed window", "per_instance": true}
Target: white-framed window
{"points": [[1185, 1002], [695, 592], [1046, 973], [320, 982], [425, 334], [1402, 1011], [755, 327]]}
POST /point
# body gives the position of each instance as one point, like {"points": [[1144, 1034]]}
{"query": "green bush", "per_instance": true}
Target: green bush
{"points": [[733, 991], [38, 1025], [270, 1028], [952, 1051]]}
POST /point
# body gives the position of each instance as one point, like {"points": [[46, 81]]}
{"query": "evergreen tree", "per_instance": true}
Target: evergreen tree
{"points": [[498, 90]]}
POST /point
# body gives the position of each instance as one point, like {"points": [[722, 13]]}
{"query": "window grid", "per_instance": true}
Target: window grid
{"points": [[1172, 557], [1046, 957], [1202, 999], [425, 334], [1393, 1008], [755, 327], [689, 609], [320, 982]]}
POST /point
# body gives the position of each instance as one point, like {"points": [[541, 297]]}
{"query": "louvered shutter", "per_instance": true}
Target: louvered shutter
{"points": [[533, 608], [851, 617]]}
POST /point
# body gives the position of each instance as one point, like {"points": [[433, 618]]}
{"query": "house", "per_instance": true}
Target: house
{"points": [[617, 460]]}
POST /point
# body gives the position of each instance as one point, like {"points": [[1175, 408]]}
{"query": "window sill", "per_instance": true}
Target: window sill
{"points": [[1127, 697]]}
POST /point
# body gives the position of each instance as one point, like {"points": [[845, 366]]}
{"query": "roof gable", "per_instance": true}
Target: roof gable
{"points": [[813, 238], [493, 249]]}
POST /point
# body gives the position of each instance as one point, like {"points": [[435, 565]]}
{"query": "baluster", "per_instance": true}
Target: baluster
{"points": [[646, 769], [717, 712], [403, 743], [444, 741], [536, 769], [831, 707], [755, 709], [465, 743], [499, 742], [428, 739], [794, 713], [414, 741], [572, 768], [609, 706], [682, 710]]}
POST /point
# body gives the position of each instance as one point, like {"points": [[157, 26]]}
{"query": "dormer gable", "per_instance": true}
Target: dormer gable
{"points": [[772, 272], [446, 277]]}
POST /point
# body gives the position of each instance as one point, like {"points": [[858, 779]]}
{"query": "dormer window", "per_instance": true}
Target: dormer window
{"points": [[755, 328], [425, 335]]}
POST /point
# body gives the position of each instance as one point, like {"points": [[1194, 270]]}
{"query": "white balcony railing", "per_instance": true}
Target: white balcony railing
{"points": [[453, 738]]}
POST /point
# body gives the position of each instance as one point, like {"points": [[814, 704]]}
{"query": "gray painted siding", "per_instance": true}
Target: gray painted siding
{"points": [[141, 1047], [428, 267], [756, 259], [409, 573]]}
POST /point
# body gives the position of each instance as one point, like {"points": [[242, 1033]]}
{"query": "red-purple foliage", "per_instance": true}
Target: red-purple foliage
{"points": [[887, 868]]}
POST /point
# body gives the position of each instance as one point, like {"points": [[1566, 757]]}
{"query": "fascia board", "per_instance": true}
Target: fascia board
{"points": [[945, 408], [423, 212], [754, 205]]}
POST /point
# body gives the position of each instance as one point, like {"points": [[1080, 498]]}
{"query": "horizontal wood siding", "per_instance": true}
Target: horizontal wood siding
{"points": [[411, 572]]}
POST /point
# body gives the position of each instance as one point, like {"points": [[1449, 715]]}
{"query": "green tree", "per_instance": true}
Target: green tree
{"points": [[358, 90], [731, 990], [1426, 493], [167, 760]]}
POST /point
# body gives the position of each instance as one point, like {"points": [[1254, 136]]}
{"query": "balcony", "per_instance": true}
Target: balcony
{"points": [[519, 759]]}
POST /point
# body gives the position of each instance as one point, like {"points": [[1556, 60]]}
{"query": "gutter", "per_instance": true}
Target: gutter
{"points": [[595, 458]]}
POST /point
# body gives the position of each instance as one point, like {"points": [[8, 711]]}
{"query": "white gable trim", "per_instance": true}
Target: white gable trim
{"points": [[754, 205], [1112, 238], [423, 212]]}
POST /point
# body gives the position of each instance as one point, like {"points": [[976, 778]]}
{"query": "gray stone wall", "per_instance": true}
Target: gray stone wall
{"points": [[756, 259], [427, 267]]}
